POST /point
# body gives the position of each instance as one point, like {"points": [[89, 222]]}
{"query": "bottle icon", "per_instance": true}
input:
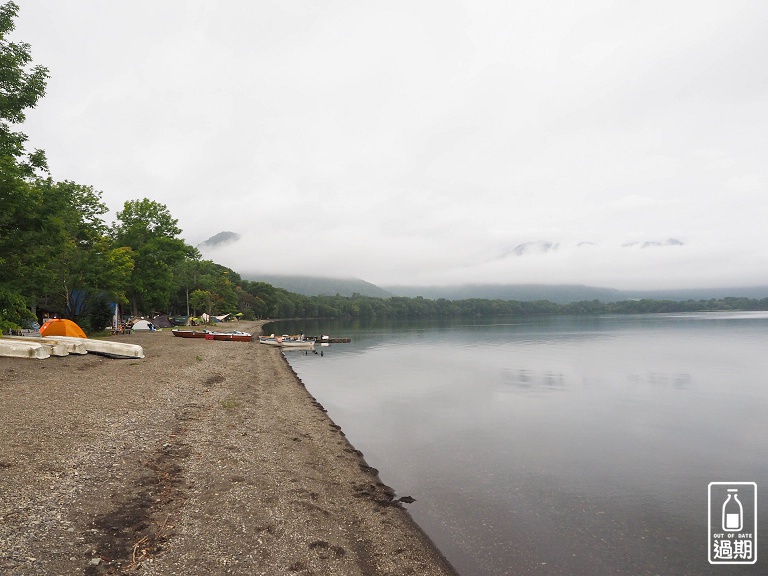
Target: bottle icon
{"points": [[733, 512]]}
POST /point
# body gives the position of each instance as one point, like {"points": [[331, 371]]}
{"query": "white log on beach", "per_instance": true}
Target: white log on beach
{"points": [[55, 347], [73, 346], [104, 347], [15, 349]]}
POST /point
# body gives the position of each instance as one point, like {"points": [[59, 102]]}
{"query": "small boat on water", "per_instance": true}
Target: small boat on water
{"points": [[15, 349], [188, 333], [294, 342], [104, 347]]}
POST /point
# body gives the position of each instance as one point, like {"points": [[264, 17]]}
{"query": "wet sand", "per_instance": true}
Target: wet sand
{"points": [[205, 457]]}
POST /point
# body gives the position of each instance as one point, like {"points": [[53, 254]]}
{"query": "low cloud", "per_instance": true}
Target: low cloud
{"points": [[424, 143]]}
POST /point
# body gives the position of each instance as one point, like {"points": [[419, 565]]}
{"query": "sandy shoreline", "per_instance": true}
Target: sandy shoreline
{"points": [[203, 458]]}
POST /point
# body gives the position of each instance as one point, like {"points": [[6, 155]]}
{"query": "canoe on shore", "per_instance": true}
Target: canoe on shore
{"points": [[105, 347], [58, 347], [232, 336], [15, 349], [54, 348], [188, 333]]}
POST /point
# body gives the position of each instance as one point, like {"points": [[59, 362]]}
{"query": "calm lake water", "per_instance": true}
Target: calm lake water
{"points": [[573, 446]]}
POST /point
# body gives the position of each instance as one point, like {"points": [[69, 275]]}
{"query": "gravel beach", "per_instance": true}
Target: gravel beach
{"points": [[205, 457]]}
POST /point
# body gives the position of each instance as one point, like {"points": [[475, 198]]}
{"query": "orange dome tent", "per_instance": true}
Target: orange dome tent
{"points": [[61, 327]]}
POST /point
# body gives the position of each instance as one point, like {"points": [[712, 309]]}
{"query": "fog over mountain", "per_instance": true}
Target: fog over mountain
{"points": [[560, 293], [219, 239], [318, 286], [647, 264]]}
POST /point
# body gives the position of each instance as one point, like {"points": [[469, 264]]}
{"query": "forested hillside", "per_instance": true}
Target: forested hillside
{"points": [[314, 286]]}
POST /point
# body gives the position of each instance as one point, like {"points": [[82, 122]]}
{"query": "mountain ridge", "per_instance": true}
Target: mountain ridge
{"points": [[321, 286], [225, 237], [557, 293]]}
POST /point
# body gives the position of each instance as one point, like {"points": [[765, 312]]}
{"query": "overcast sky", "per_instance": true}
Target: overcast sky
{"points": [[618, 144]]}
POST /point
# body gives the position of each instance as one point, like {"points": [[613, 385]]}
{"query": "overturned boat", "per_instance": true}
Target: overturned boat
{"points": [[19, 349], [55, 345], [105, 347]]}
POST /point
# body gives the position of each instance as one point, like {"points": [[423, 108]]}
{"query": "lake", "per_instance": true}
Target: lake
{"points": [[558, 445]]}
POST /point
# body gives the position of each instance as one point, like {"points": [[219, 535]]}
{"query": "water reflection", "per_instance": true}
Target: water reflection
{"points": [[557, 446], [680, 381], [527, 380]]}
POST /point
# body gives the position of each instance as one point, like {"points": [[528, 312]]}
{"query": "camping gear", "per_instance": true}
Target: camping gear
{"points": [[143, 326], [61, 327], [213, 319], [162, 321]]}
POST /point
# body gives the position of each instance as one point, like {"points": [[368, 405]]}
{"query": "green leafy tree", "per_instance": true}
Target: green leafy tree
{"points": [[148, 228], [13, 310], [83, 266], [226, 295], [196, 274], [203, 300], [21, 86], [21, 227], [265, 298], [247, 304], [188, 275]]}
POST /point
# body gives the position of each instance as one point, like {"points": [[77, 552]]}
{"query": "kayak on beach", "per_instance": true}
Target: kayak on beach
{"points": [[108, 348]]}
